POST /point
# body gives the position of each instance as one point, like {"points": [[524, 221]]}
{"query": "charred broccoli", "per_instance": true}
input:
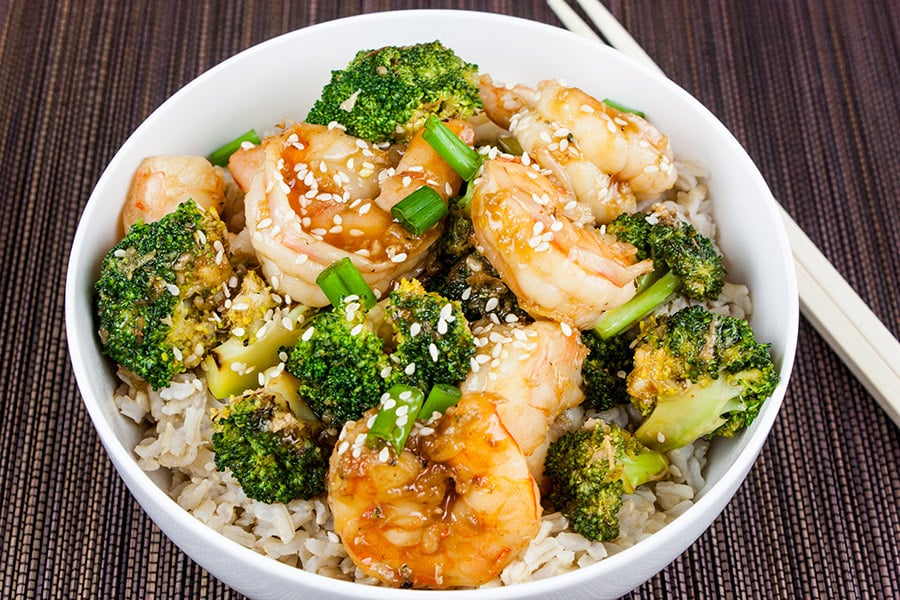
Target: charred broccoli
{"points": [[348, 356], [698, 374], [685, 262], [385, 95], [269, 450], [158, 291], [604, 370], [464, 275], [590, 469]]}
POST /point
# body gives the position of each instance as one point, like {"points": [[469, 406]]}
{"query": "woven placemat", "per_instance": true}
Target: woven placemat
{"points": [[807, 86]]}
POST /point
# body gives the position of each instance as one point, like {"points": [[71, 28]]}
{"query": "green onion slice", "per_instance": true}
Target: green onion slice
{"points": [[420, 210], [441, 397], [510, 145], [396, 415], [461, 158], [220, 156], [623, 108], [341, 279]]}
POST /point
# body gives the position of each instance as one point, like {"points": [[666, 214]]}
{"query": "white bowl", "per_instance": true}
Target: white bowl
{"points": [[280, 79]]}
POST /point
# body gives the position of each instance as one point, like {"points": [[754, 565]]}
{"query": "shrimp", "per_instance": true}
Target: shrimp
{"points": [[537, 369], [452, 509], [161, 183], [554, 149], [556, 121], [556, 269], [623, 144], [315, 194]]}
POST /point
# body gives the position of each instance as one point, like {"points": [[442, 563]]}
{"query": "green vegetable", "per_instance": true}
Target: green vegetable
{"points": [[588, 472], [158, 292], [220, 156], [234, 365], [385, 95], [441, 397], [396, 415], [685, 262], [431, 341], [348, 356], [455, 152], [340, 364], [623, 108], [420, 210], [604, 370], [269, 451], [698, 374], [341, 279]]}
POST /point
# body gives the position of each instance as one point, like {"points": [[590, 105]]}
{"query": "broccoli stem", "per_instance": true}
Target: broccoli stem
{"points": [[220, 156], [461, 158], [420, 210], [394, 421], [341, 279], [642, 468], [233, 367], [617, 320], [441, 397], [679, 420]]}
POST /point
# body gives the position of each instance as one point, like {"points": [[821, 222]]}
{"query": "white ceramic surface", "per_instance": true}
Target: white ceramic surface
{"points": [[280, 79]]}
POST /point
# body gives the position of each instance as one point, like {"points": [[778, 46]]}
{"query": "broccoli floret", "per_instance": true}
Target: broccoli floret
{"points": [[158, 291], [685, 262], [340, 363], [604, 370], [271, 452], [590, 469], [349, 356], [385, 95], [698, 374], [432, 342]]}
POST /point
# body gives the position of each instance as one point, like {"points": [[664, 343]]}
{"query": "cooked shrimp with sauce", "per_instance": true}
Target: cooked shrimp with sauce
{"points": [[315, 195], [339, 290], [557, 269], [452, 509]]}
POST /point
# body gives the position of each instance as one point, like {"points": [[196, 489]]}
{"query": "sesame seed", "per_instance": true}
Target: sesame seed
{"points": [[402, 420], [414, 329], [410, 369], [403, 409], [172, 289], [567, 331], [433, 351], [356, 329], [365, 208], [388, 402], [385, 372], [491, 304], [398, 258], [308, 334], [384, 454]]}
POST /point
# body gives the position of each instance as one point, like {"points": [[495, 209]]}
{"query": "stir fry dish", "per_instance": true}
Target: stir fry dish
{"points": [[444, 332]]}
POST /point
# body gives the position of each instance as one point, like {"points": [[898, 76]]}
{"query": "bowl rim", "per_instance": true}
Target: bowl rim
{"points": [[681, 528]]}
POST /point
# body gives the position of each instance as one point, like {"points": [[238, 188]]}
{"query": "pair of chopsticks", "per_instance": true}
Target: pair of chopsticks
{"points": [[827, 301]]}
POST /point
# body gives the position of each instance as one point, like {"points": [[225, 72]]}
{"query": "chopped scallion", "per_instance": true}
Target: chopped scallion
{"points": [[441, 397], [461, 158], [341, 279], [510, 145], [394, 421], [420, 210], [220, 156], [623, 108]]}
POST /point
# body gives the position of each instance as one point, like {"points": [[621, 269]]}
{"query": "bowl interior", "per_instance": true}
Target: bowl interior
{"points": [[280, 80]]}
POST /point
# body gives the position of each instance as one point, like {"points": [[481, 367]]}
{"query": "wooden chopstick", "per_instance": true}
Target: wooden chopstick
{"points": [[827, 301]]}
